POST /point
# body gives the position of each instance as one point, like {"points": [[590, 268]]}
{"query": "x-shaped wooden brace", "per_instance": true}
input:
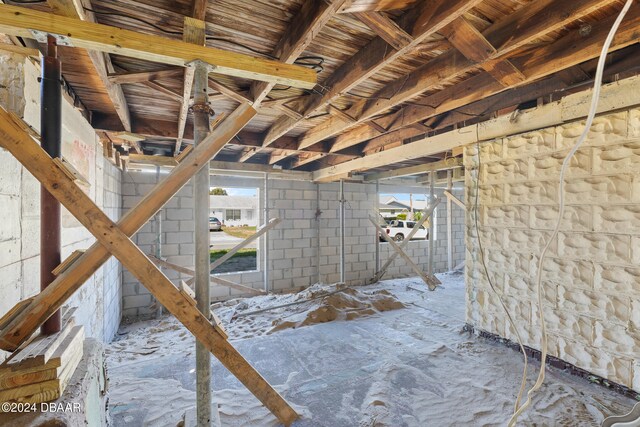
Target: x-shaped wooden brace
{"points": [[113, 239]]}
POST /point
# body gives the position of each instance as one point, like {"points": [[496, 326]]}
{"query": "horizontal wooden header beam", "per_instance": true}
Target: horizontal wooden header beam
{"points": [[19, 21]]}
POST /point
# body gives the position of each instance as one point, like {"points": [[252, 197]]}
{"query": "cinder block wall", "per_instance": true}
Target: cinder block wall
{"points": [[99, 300], [304, 249], [591, 277]]}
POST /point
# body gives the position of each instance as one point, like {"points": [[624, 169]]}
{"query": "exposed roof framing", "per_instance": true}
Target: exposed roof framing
{"points": [[390, 72]]}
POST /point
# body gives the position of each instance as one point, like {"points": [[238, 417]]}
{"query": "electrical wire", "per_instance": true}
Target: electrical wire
{"points": [[483, 261], [597, 86]]}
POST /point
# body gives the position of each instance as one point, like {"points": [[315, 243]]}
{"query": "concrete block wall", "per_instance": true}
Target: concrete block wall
{"points": [[99, 300], [177, 239], [304, 249], [591, 276]]}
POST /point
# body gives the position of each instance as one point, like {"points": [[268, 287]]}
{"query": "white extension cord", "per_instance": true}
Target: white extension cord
{"points": [[592, 112]]}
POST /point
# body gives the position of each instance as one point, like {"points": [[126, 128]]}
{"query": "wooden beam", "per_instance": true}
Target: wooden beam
{"points": [[424, 20], [19, 21], [74, 10], [229, 93], [414, 170], [431, 281], [568, 51], [278, 155], [312, 17], [386, 29], [145, 76], [455, 200], [614, 96], [26, 51], [112, 238], [194, 33], [522, 27], [475, 47], [143, 159], [199, 11], [164, 90], [64, 286], [375, 5], [308, 158]]}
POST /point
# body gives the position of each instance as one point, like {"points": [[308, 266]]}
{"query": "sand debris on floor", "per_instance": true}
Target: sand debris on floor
{"points": [[257, 316]]}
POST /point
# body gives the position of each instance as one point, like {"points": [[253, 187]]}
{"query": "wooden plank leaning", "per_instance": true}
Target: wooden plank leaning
{"points": [[272, 223], [25, 149], [430, 280], [426, 214]]}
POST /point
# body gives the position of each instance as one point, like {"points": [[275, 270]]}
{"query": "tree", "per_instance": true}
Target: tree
{"points": [[218, 192]]}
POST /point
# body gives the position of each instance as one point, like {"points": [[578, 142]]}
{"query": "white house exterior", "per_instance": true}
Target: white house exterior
{"points": [[235, 210]]}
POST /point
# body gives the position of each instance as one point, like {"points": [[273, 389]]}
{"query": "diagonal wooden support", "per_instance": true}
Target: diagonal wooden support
{"points": [[218, 280], [430, 280], [455, 200], [272, 223], [55, 180], [426, 214], [52, 298]]}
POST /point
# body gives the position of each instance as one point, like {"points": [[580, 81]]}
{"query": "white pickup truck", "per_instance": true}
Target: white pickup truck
{"points": [[399, 229]]}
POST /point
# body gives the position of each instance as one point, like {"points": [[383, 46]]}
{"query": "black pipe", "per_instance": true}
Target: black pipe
{"points": [[50, 131]]}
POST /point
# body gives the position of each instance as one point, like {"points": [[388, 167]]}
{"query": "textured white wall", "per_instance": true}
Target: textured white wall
{"points": [[591, 277]]}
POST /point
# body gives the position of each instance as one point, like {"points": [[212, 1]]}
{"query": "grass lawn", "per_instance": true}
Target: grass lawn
{"points": [[241, 232], [243, 260]]}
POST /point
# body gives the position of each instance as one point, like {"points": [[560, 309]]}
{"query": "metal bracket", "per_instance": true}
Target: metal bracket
{"points": [[41, 37], [199, 62]]}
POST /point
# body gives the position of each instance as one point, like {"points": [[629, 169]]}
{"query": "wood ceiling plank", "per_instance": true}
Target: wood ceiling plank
{"points": [[385, 28], [145, 76]]}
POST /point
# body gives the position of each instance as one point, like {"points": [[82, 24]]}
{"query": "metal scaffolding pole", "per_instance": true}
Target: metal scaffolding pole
{"points": [[265, 257], [449, 222], [377, 234], [342, 231], [432, 246], [158, 253], [318, 215], [201, 114], [50, 127]]}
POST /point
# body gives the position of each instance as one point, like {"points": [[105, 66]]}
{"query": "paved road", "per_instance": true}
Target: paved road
{"points": [[222, 240]]}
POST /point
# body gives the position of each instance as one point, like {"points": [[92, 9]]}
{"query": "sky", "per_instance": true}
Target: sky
{"points": [[241, 191], [404, 197]]}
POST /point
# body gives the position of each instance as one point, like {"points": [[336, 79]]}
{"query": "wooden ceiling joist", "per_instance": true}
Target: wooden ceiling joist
{"points": [[375, 5], [386, 29], [506, 36], [312, 17], [424, 20], [19, 21], [102, 63], [146, 76]]}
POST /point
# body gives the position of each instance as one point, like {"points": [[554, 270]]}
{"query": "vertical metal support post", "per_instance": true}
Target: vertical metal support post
{"points": [[201, 113], [50, 129], [158, 254], [377, 243], [265, 238], [342, 232], [432, 245], [318, 215], [449, 223]]}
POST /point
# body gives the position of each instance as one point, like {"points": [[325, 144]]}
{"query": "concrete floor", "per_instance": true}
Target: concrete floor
{"points": [[407, 367]]}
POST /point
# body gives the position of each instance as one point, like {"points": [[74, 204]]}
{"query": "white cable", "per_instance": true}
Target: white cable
{"points": [[592, 113]]}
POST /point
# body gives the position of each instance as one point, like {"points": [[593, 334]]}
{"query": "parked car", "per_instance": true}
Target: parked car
{"points": [[214, 224], [397, 230]]}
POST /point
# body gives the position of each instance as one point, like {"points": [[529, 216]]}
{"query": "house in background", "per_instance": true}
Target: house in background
{"points": [[235, 210]]}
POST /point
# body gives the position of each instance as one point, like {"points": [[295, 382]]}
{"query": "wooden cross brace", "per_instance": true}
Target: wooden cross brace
{"points": [[431, 280], [113, 239], [426, 213]]}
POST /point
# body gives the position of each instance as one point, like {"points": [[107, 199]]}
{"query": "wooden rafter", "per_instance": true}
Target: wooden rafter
{"points": [[117, 242], [376, 5], [424, 20], [386, 29], [303, 159], [507, 36], [102, 63], [19, 21], [312, 17], [146, 76]]}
